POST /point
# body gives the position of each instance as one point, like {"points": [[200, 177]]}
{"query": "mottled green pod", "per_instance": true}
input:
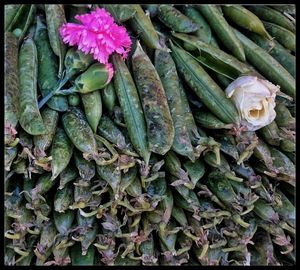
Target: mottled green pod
{"points": [[270, 134], [282, 55], [121, 13], [43, 142], [10, 11], [47, 67], [79, 131], [160, 129], [63, 221], [93, 108], [284, 117], [157, 187], [85, 168], [9, 156], [61, 152], [127, 178], [74, 99], [166, 70], [11, 87], [179, 215], [44, 183], [111, 174], [262, 152], [63, 198], [174, 19], [285, 37], [210, 121], [76, 61], [205, 88], [142, 25], [265, 211], [195, 170], [135, 188], [131, 107], [267, 65], [223, 30], [245, 18], [151, 9], [288, 145], [55, 16], [109, 97], [30, 117], [68, 174], [78, 259]]}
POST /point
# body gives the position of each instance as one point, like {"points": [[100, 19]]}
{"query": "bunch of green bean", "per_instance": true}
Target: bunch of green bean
{"points": [[149, 168]]}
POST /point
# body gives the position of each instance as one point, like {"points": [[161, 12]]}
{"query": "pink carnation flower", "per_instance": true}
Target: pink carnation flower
{"points": [[98, 34]]}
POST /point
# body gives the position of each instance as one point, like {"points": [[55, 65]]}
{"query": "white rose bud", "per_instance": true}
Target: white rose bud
{"points": [[254, 98]]}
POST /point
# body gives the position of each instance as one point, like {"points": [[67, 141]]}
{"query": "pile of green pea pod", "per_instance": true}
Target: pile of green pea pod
{"points": [[148, 169]]}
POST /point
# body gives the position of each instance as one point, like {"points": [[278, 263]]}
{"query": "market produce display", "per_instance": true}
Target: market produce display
{"points": [[149, 134]]}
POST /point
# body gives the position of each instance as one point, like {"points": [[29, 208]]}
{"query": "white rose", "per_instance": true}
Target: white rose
{"points": [[254, 98]]}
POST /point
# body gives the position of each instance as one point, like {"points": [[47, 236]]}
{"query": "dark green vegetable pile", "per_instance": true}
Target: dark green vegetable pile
{"points": [[150, 169]]}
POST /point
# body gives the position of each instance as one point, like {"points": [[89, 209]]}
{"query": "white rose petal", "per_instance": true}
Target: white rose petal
{"points": [[254, 99]]}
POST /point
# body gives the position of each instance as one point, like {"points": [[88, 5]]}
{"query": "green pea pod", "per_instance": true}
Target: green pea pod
{"points": [[10, 12], [93, 108], [210, 121], [273, 16], [55, 16], [228, 144], [30, 118], [283, 116], [195, 170], [109, 98], [223, 30], [11, 98], [288, 145], [151, 9], [28, 184], [135, 188], [262, 152], [265, 211], [43, 250], [26, 260], [47, 67], [142, 25], [61, 152], [120, 13], [285, 8], [79, 131], [179, 215], [204, 31], [267, 65], [245, 18], [63, 198], [285, 37], [215, 58], [168, 241], [160, 129], [175, 20], [85, 168], [74, 99], [270, 134], [157, 187], [127, 178], [166, 70], [22, 20], [78, 259], [282, 55], [44, 184], [205, 88], [67, 175], [131, 107], [111, 174], [63, 221], [43, 142]]}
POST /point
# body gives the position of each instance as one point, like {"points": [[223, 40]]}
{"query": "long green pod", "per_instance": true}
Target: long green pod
{"points": [[55, 16], [271, 133], [205, 88], [47, 67], [63, 221], [282, 55], [127, 178], [86, 168], [92, 104], [220, 26], [142, 25], [266, 64], [166, 69], [109, 97], [112, 175], [285, 37], [160, 129], [61, 152], [285, 8], [11, 86], [78, 259], [67, 175], [121, 13], [265, 211], [79, 131], [43, 142], [195, 170], [131, 107], [30, 117], [283, 116], [63, 198], [174, 19], [207, 120], [10, 12], [245, 18], [271, 15]]}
